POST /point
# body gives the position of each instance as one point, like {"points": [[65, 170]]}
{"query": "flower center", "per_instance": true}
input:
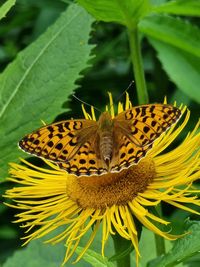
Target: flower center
{"points": [[112, 188]]}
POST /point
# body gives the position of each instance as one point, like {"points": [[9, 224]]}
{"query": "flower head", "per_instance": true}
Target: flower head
{"points": [[50, 198]]}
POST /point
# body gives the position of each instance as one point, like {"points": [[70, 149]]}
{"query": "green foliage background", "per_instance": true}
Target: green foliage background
{"points": [[50, 49]]}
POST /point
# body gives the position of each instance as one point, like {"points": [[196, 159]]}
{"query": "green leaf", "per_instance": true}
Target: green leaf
{"points": [[124, 253], [193, 261], [124, 12], [181, 67], [180, 7], [183, 248], [35, 85], [148, 252], [37, 254], [94, 258], [6, 7], [172, 31]]}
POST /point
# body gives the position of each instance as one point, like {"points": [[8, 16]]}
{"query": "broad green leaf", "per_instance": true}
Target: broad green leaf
{"points": [[6, 7], [147, 252], [180, 7], [158, 2], [35, 85], [121, 255], [181, 67], [193, 261], [94, 258], [37, 254], [173, 31], [182, 249], [124, 12]]}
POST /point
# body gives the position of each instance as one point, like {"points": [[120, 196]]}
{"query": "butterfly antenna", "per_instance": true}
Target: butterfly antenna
{"points": [[85, 103], [119, 97]]}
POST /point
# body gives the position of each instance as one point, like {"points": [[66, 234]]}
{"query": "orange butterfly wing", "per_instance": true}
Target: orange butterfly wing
{"points": [[59, 141], [86, 161], [137, 129], [74, 144]]}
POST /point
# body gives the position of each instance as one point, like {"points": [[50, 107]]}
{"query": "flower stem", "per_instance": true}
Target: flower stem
{"points": [[159, 240], [120, 245], [138, 69]]}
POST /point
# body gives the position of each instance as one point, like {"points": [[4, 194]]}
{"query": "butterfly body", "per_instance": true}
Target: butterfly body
{"points": [[88, 147], [105, 135]]}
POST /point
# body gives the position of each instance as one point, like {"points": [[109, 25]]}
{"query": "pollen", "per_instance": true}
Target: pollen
{"points": [[113, 188]]}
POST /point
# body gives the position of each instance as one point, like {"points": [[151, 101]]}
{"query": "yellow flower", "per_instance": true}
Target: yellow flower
{"points": [[50, 198]]}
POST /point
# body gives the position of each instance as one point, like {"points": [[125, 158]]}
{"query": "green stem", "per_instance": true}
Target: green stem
{"points": [[138, 69], [120, 244], [159, 240]]}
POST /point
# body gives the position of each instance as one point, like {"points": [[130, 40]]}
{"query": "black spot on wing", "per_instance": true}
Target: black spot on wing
{"points": [[59, 146]]}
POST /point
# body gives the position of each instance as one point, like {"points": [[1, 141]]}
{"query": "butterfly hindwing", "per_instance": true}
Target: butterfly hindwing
{"points": [[126, 152], [87, 161]]}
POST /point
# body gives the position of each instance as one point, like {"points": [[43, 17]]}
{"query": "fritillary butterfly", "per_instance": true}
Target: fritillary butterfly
{"points": [[88, 147]]}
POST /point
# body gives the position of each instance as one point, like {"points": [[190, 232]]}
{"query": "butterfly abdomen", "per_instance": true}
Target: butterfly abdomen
{"points": [[105, 132], [106, 146]]}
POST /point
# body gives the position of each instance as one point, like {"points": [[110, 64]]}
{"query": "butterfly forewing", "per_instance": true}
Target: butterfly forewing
{"points": [[144, 124], [60, 141]]}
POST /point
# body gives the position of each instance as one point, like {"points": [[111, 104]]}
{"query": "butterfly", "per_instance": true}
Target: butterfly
{"points": [[87, 147]]}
